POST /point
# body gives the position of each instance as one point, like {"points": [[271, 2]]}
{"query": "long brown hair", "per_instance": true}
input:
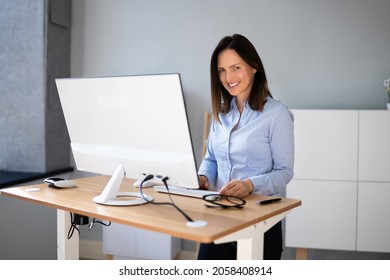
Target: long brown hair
{"points": [[220, 97]]}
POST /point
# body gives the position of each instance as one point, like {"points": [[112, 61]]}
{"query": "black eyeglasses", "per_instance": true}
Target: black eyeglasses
{"points": [[223, 201]]}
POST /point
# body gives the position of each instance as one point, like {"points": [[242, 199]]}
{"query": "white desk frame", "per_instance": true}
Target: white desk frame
{"points": [[67, 249], [250, 240]]}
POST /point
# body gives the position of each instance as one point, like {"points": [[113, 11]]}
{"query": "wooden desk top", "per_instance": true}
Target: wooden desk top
{"points": [[163, 219]]}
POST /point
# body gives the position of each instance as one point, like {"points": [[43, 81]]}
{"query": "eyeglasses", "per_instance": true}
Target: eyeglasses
{"points": [[223, 201]]}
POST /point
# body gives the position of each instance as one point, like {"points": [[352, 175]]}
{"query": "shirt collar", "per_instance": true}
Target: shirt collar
{"points": [[233, 103]]}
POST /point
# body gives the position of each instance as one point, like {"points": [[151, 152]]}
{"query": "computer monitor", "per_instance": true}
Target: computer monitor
{"points": [[129, 126]]}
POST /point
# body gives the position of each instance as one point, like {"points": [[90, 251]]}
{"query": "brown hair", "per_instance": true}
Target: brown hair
{"points": [[220, 97]]}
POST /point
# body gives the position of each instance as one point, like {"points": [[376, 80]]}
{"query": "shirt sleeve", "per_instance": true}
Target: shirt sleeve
{"points": [[282, 149]]}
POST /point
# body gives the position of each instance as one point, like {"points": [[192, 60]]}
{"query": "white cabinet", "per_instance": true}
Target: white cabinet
{"points": [[325, 144], [373, 228], [319, 222], [342, 176], [374, 146], [373, 224], [125, 242]]}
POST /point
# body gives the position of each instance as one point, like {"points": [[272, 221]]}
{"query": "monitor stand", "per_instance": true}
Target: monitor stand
{"points": [[111, 195]]}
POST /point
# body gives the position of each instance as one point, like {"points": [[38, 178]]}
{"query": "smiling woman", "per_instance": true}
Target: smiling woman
{"points": [[235, 75], [250, 147]]}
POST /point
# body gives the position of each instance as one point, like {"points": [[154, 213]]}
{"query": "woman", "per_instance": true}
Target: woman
{"points": [[250, 148]]}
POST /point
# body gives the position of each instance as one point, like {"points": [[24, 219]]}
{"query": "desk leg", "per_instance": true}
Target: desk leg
{"points": [[251, 248], [250, 240], [67, 249]]}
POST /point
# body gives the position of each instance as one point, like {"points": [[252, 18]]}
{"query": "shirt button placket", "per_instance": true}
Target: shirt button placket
{"points": [[228, 165]]}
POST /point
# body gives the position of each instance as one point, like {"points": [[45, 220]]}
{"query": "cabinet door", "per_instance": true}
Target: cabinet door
{"points": [[327, 217], [373, 230], [326, 144], [374, 146]]}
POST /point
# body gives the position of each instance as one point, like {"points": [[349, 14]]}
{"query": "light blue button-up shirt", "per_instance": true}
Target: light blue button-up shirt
{"points": [[260, 148]]}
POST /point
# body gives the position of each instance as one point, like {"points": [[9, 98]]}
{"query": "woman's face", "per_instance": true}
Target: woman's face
{"points": [[235, 74]]}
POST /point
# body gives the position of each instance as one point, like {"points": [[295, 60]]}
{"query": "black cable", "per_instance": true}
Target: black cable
{"points": [[73, 225], [147, 178], [94, 221], [172, 203], [75, 220]]}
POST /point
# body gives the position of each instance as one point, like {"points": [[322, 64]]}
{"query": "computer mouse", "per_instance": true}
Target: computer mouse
{"points": [[52, 180], [64, 184], [146, 184], [60, 183]]}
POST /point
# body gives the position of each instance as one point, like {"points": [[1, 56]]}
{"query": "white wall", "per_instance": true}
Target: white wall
{"points": [[317, 53], [330, 54]]}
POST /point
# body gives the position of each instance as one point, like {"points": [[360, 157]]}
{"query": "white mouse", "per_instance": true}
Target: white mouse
{"points": [[146, 184], [64, 184]]}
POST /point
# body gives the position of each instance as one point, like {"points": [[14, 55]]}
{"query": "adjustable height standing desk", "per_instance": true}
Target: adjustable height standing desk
{"points": [[246, 226]]}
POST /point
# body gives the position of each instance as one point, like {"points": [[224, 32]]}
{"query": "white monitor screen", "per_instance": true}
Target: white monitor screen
{"points": [[137, 121]]}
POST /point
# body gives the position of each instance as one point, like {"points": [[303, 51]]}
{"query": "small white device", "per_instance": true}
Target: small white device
{"points": [[59, 183], [146, 184], [65, 184], [183, 191]]}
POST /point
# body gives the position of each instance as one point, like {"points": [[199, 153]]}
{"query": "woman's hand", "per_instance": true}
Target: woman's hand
{"points": [[204, 182], [239, 188]]}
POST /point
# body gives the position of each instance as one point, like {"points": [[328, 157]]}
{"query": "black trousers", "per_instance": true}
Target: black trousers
{"points": [[273, 247]]}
